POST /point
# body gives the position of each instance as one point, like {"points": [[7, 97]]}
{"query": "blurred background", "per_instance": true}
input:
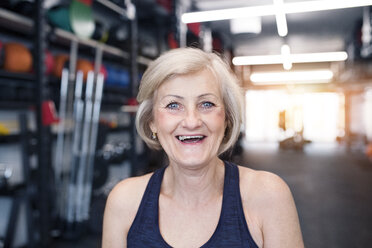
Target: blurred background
{"points": [[69, 75]]}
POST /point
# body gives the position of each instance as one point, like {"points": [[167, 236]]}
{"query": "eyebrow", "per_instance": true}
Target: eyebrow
{"points": [[176, 96], [180, 97]]}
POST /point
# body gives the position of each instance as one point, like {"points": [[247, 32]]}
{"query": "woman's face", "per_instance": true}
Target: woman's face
{"points": [[189, 118]]}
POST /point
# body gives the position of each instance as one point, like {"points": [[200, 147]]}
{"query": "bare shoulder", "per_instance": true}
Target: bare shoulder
{"points": [[268, 203], [262, 185], [126, 196], [121, 208]]}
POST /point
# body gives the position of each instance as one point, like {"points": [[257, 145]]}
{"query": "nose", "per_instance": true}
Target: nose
{"points": [[192, 119]]}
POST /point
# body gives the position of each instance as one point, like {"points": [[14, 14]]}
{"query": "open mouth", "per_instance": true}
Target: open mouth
{"points": [[190, 138]]}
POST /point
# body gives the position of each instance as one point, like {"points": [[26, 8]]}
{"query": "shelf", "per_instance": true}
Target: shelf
{"points": [[25, 25], [17, 79], [112, 6], [10, 138], [15, 21], [16, 105], [120, 129]]}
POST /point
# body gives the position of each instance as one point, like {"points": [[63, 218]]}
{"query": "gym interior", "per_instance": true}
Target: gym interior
{"points": [[69, 76]]}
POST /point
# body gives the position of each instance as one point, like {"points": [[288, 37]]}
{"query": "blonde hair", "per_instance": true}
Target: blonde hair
{"points": [[183, 61]]}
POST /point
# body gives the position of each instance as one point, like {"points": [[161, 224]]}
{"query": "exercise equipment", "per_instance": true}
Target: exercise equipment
{"points": [[49, 62], [79, 182], [17, 57], [124, 78], [81, 18], [49, 113], [60, 17], [103, 71], [117, 77], [84, 150], [76, 17], [119, 35], [76, 149], [4, 130], [84, 66], [101, 33], [89, 170], [60, 62], [60, 181]]}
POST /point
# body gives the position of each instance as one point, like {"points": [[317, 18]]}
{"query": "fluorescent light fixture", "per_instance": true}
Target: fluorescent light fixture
{"points": [[286, 53], [281, 21], [266, 10], [246, 25], [292, 77], [293, 58], [318, 57]]}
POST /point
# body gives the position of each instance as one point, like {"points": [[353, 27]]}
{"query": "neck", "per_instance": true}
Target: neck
{"points": [[194, 186]]}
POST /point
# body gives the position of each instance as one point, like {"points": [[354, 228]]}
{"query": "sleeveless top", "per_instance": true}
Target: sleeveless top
{"points": [[232, 229]]}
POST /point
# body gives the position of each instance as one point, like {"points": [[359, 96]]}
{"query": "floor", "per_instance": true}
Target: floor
{"points": [[332, 190]]}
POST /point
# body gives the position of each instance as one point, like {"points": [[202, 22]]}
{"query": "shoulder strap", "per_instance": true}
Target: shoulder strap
{"points": [[147, 214], [234, 206]]}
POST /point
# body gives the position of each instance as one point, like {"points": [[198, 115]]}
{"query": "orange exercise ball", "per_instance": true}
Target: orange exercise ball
{"points": [[85, 66], [18, 58], [60, 62]]}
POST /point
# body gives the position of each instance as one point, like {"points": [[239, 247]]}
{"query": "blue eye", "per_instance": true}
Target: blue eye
{"points": [[173, 105], [207, 105]]}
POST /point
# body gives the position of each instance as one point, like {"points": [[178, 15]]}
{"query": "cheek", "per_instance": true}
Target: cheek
{"points": [[217, 121], [164, 121]]}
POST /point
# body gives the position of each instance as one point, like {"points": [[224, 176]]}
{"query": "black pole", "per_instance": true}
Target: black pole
{"points": [[43, 132]]}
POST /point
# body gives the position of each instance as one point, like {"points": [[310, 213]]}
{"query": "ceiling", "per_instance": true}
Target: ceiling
{"points": [[321, 31]]}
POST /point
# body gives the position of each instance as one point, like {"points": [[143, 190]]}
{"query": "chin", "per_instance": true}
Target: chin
{"points": [[193, 161]]}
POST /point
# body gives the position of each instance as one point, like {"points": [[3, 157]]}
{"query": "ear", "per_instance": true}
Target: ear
{"points": [[153, 127]]}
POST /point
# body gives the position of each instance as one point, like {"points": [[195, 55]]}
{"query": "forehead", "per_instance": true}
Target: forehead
{"points": [[202, 82]]}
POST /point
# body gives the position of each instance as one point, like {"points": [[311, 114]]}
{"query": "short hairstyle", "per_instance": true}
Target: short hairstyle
{"points": [[182, 61]]}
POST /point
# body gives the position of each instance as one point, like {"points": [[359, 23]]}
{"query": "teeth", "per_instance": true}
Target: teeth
{"points": [[184, 137]]}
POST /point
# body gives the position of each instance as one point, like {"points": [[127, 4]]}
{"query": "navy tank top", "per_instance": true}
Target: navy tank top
{"points": [[232, 229]]}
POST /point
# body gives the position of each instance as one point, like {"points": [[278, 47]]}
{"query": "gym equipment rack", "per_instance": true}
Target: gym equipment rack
{"points": [[38, 28]]}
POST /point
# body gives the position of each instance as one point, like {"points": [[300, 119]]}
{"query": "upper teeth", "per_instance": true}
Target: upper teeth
{"points": [[190, 137]]}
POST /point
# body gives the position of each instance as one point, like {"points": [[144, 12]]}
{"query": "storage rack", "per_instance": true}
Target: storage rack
{"points": [[38, 82]]}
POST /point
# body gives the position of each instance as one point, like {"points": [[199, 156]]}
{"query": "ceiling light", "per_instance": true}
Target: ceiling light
{"points": [[318, 57], [281, 21], [265, 10], [293, 77], [286, 53], [246, 25], [293, 58]]}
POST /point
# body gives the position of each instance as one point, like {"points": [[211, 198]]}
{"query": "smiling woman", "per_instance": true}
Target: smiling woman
{"points": [[190, 106]]}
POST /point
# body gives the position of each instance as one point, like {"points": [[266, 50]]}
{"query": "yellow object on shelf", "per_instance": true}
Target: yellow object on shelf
{"points": [[4, 130]]}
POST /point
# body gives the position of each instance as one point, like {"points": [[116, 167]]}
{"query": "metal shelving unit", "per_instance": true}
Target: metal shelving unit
{"points": [[39, 84], [25, 25]]}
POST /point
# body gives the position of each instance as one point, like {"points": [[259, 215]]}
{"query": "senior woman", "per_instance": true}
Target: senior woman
{"points": [[191, 106]]}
